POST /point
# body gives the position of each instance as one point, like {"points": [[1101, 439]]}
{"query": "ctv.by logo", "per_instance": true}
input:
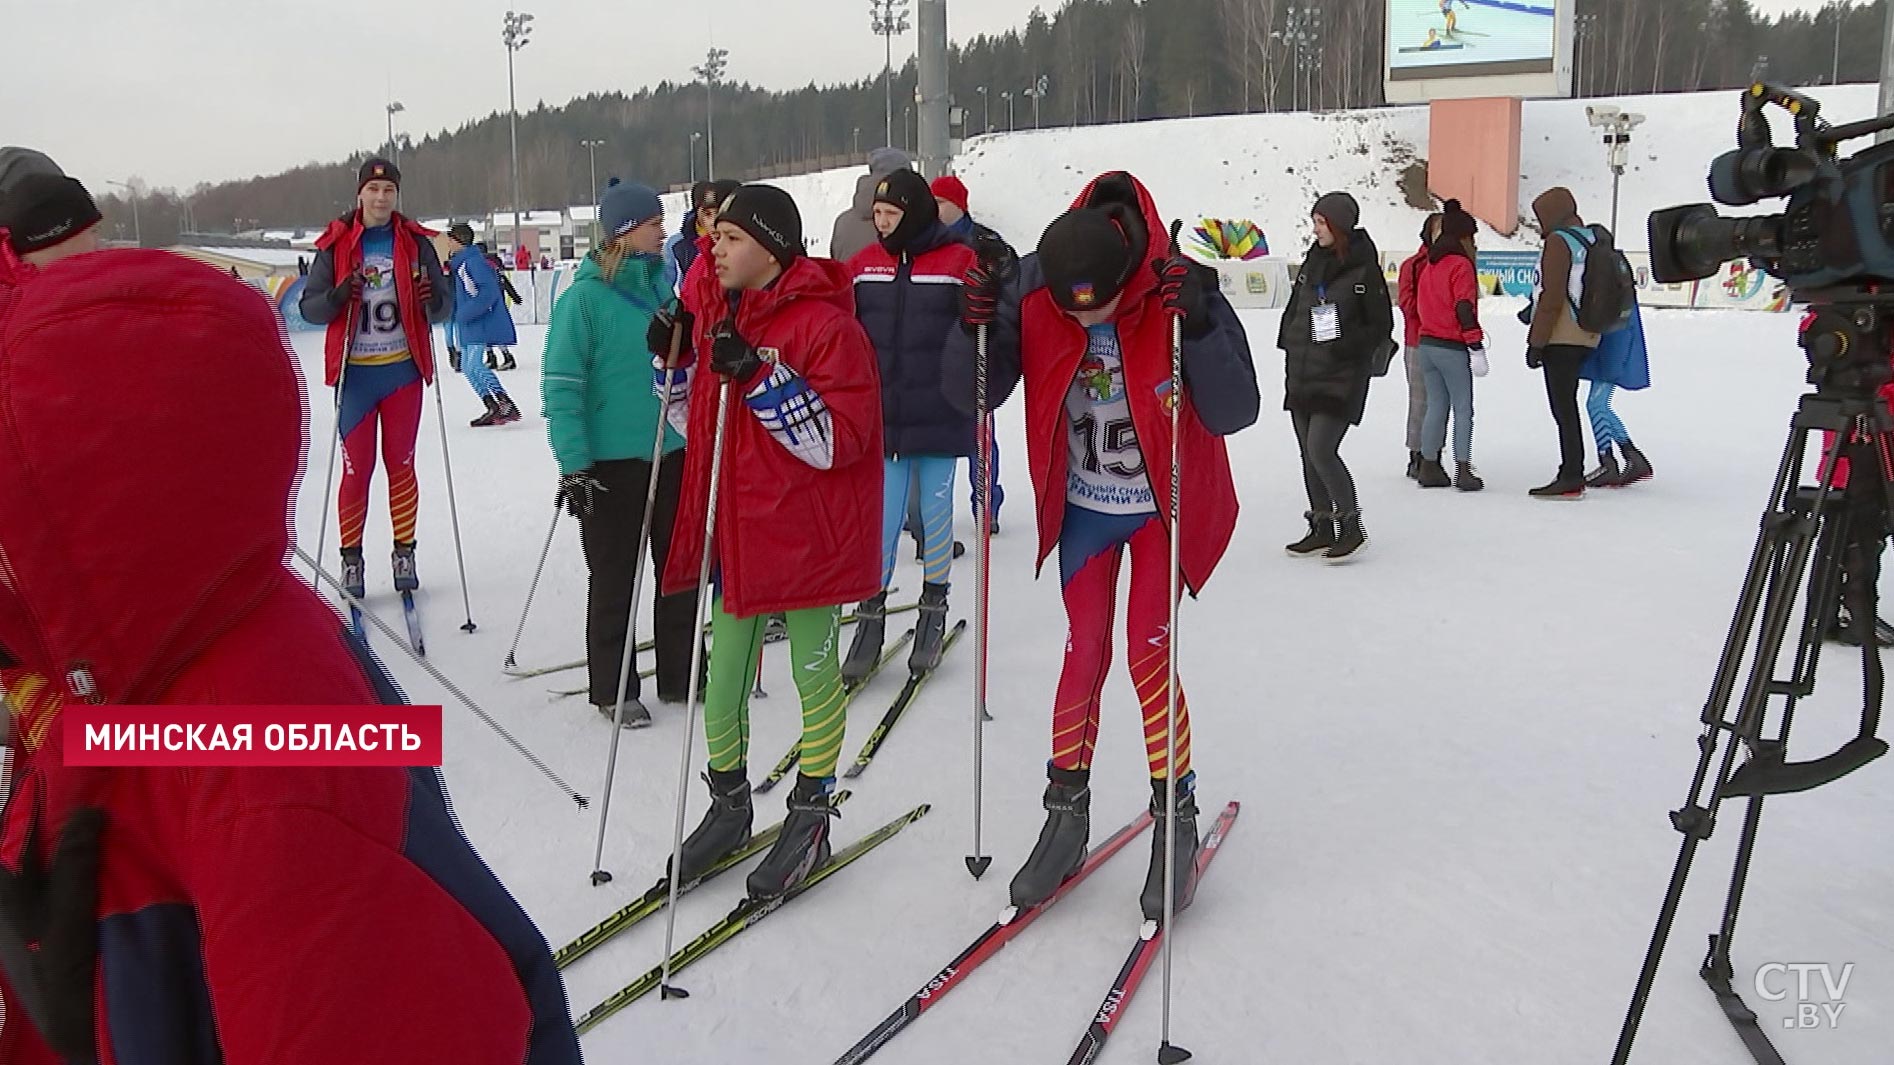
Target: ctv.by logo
{"points": [[1809, 1011]]}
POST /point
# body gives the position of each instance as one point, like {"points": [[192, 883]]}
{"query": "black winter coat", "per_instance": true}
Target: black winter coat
{"points": [[1332, 378], [909, 304]]}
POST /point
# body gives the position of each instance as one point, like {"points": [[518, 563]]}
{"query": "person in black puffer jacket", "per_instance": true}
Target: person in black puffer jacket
{"points": [[1339, 316]]}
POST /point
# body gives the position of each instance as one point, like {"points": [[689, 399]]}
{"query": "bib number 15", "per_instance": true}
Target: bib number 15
{"points": [[1115, 437]]}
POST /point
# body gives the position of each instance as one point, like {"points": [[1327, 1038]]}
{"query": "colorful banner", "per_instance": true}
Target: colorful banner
{"points": [[1215, 238]]}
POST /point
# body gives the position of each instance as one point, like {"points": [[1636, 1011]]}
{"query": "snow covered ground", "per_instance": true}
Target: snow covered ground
{"points": [[1455, 758]]}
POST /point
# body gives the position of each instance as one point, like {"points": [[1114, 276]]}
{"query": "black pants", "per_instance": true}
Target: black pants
{"points": [[1562, 362], [610, 536], [1331, 487]]}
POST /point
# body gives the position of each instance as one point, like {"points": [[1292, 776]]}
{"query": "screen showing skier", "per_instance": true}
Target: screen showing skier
{"points": [[1457, 38]]}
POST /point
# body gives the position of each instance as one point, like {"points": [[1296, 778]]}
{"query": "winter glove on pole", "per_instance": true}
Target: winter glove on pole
{"points": [[1181, 287], [733, 357], [658, 336], [578, 492], [348, 290], [979, 299], [423, 286]]}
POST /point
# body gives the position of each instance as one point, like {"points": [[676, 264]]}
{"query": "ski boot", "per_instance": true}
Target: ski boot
{"points": [[725, 827], [636, 715], [1062, 842], [1636, 467], [803, 846], [1350, 538], [1607, 475], [1153, 897], [407, 578], [1321, 535], [871, 629], [354, 572], [1432, 474], [930, 633], [1466, 478]]}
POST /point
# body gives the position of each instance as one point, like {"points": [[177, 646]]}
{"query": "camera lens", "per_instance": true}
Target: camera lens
{"points": [[1743, 177]]}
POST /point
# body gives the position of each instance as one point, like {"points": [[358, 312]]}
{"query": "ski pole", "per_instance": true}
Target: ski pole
{"points": [[599, 873], [335, 435], [1167, 1052], [665, 990], [533, 588], [979, 860], [441, 679], [453, 509]]}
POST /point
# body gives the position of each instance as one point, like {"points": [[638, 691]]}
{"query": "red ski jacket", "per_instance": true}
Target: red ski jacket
{"points": [[298, 917], [1448, 297], [1407, 296], [339, 254], [1033, 338], [789, 536]]}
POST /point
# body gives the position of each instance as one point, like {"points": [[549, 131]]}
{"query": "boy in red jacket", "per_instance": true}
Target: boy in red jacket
{"points": [[799, 500], [1087, 322], [299, 917]]}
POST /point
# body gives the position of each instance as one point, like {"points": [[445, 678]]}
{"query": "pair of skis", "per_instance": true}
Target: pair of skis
{"points": [[889, 719], [646, 646], [748, 913], [409, 613], [1014, 921]]}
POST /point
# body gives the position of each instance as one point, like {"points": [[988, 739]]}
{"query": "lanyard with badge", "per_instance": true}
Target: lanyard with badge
{"points": [[1325, 320]]}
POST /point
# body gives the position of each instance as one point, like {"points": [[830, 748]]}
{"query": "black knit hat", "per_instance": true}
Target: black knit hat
{"points": [[41, 210], [1341, 210], [378, 170], [1455, 224], [919, 210], [769, 215], [1087, 258]]}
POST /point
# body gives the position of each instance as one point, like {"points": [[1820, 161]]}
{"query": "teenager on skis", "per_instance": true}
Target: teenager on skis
{"points": [[1407, 297], [1338, 318], [481, 323], [796, 511], [377, 285], [1087, 323], [951, 197], [297, 916], [1452, 349], [602, 418], [907, 297]]}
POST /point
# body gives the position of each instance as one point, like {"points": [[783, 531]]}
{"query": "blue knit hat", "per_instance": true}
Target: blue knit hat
{"points": [[625, 207]]}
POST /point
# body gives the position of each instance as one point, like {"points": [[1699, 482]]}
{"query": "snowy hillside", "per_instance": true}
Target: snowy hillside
{"points": [[1455, 757]]}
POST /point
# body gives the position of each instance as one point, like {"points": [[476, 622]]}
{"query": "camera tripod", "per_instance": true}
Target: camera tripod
{"points": [[1842, 523]]}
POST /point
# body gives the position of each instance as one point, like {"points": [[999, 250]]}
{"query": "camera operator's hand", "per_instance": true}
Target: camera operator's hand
{"points": [[1535, 358]]}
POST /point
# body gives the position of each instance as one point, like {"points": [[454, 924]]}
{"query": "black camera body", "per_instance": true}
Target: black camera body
{"points": [[1838, 228]]}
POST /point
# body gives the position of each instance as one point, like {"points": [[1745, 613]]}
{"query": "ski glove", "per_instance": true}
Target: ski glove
{"points": [[55, 905], [1476, 359], [423, 286], [1180, 285], [578, 492], [1535, 358], [347, 290], [734, 357], [979, 299], [658, 336]]}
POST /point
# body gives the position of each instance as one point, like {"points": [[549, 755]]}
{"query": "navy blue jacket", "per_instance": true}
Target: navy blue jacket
{"points": [[481, 315], [910, 308]]}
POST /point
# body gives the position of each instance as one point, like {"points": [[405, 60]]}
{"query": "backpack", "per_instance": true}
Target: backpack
{"points": [[1608, 287]]}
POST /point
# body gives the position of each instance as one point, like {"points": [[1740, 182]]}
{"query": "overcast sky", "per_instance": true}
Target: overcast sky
{"points": [[182, 91]]}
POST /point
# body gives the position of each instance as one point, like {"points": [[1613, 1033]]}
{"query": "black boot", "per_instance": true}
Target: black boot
{"points": [[493, 361], [1433, 474], [506, 359], [354, 572], [1564, 486], [1350, 538], [1321, 535], [930, 632], [871, 628], [726, 825], [491, 417], [1413, 465], [1607, 475], [803, 846], [1636, 466], [508, 412], [1153, 897], [1061, 847], [453, 358], [1466, 478]]}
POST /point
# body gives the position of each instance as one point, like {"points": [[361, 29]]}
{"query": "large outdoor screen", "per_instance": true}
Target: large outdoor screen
{"points": [[1437, 39]]}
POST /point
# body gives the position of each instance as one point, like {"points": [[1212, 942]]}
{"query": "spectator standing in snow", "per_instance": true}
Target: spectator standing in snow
{"points": [[1452, 349], [1407, 289], [855, 227], [504, 359], [683, 246], [1620, 361], [481, 321], [1338, 319], [1555, 342]]}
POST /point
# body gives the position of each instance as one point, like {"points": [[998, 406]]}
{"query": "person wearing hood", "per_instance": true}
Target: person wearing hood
{"points": [[481, 322], [951, 198], [504, 360], [377, 285], [1452, 349], [1407, 297], [602, 417], [682, 247], [855, 227], [1555, 342], [798, 504], [907, 297], [1337, 318], [1088, 322], [299, 916]]}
